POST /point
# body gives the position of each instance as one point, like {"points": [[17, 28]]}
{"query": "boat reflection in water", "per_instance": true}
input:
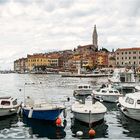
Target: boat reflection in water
{"points": [[7, 122], [100, 129], [131, 127], [110, 106], [40, 128]]}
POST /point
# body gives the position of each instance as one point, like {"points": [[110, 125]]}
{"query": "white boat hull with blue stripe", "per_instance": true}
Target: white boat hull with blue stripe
{"points": [[42, 111]]}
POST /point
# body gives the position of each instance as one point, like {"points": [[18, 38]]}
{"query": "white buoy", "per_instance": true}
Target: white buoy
{"points": [[79, 133], [30, 113]]}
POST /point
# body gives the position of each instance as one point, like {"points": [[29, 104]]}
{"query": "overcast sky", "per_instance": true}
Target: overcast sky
{"points": [[34, 26]]}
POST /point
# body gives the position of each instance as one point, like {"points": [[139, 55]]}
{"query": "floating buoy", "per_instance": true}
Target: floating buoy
{"points": [[58, 121], [91, 132], [79, 133]]}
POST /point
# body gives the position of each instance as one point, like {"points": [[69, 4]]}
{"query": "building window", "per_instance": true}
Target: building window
{"points": [[125, 52], [129, 52], [122, 63], [122, 58], [125, 57], [117, 57], [134, 62], [134, 52], [122, 52], [134, 57], [117, 53], [129, 57]]}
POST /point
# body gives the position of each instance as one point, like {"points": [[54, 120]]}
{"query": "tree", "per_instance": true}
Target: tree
{"points": [[104, 49]]}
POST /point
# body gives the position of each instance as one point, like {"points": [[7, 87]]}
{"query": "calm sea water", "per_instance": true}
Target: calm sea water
{"points": [[56, 89]]}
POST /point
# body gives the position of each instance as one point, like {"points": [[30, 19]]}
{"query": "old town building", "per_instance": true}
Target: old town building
{"points": [[102, 59], [128, 57], [111, 59], [20, 65], [37, 60]]}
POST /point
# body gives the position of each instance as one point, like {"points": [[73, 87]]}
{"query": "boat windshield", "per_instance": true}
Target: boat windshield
{"points": [[138, 101], [6, 103], [129, 100], [80, 87], [104, 91], [15, 102]]}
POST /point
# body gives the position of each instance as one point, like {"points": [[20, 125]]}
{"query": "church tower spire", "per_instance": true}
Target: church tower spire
{"points": [[95, 37]]}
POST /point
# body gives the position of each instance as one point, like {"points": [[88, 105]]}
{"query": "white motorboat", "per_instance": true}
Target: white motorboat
{"points": [[88, 111], [123, 75], [130, 105], [8, 106], [107, 94], [82, 90]]}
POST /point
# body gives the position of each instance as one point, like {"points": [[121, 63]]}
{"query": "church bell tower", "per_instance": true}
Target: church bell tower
{"points": [[95, 37]]}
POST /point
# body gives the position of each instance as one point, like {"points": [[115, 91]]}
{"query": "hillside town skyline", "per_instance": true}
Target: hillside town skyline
{"points": [[87, 56]]}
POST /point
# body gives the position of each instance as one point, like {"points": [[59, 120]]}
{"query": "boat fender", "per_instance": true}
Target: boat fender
{"points": [[12, 110], [117, 101], [118, 105], [79, 133], [124, 109], [19, 110], [30, 113], [100, 98], [64, 113]]}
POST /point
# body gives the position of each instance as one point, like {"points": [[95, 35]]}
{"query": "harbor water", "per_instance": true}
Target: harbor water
{"points": [[57, 89]]}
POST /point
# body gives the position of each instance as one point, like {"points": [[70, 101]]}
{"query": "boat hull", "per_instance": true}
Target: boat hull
{"points": [[131, 112], [8, 111], [50, 115], [84, 117], [107, 98]]}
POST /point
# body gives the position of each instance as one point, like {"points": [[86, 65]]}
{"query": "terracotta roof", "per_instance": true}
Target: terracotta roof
{"points": [[37, 56], [54, 56], [128, 49]]}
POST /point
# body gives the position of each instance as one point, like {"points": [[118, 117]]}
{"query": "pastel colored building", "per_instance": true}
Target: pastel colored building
{"points": [[127, 57]]}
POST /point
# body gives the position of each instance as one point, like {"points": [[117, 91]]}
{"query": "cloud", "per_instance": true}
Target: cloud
{"points": [[31, 26]]}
